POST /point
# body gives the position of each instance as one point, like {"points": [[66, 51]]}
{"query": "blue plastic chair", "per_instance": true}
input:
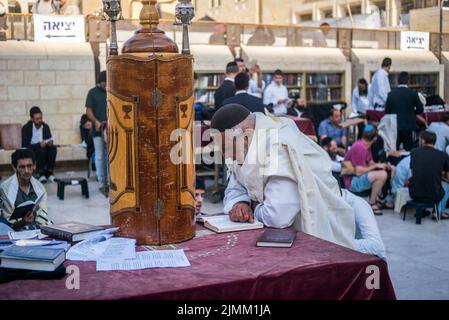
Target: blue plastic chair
{"points": [[420, 207]]}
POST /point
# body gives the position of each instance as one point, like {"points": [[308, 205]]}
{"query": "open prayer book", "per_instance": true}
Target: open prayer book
{"points": [[29, 206], [222, 223]]}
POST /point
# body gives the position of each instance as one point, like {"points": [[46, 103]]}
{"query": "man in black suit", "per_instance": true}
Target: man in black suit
{"points": [[405, 103], [227, 89], [242, 97], [36, 135]]}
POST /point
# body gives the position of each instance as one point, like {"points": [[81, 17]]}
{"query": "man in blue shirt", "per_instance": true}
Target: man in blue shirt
{"points": [[403, 173], [441, 129], [331, 128], [380, 86]]}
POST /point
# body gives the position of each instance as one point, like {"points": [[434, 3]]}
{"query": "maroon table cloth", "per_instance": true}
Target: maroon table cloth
{"points": [[228, 266], [431, 116], [202, 128], [304, 125]]}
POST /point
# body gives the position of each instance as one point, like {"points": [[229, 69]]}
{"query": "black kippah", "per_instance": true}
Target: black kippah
{"points": [[228, 116], [199, 183]]}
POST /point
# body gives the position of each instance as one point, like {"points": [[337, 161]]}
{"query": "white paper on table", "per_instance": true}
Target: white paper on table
{"points": [[53, 244], [25, 235], [119, 249], [103, 247], [106, 232], [147, 259]]}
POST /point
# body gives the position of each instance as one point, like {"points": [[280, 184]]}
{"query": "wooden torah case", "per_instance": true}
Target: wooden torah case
{"points": [[150, 95]]}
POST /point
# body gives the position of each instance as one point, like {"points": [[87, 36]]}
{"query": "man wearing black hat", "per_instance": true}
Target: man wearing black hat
{"points": [[96, 107], [282, 178]]}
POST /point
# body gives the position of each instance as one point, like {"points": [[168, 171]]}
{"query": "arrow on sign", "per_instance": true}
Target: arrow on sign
{"points": [[59, 36]]}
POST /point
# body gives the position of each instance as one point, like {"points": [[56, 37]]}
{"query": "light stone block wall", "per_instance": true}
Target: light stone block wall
{"points": [[428, 19], [55, 77]]}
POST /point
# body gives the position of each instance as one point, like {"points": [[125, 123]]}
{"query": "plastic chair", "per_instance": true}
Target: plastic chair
{"points": [[420, 207]]}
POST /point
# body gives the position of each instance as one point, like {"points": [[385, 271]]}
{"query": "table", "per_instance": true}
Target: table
{"points": [[228, 266], [429, 116], [304, 125]]}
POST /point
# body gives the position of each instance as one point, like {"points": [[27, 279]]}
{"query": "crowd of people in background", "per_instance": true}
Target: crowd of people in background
{"points": [[377, 162], [376, 165]]}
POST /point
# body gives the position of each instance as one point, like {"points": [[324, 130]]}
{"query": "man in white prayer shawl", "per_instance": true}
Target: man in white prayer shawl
{"points": [[282, 178], [20, 188]]}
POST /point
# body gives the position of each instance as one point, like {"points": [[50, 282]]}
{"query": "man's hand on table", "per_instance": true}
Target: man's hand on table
{"points": [[241, 212]]}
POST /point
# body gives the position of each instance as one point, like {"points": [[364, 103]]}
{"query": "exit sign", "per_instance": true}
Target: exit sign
{"points": [[414, 41]]}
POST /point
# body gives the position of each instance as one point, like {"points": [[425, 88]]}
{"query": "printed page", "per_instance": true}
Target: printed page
{"points": [[103, 247], [147, 259]]}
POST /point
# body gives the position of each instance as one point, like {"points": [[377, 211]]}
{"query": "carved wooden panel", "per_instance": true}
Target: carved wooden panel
{"points": [[164, 191], [122, 134], [186, 171]]}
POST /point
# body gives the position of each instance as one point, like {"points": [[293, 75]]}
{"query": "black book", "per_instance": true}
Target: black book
{"points": [[276, 238], [29, 206], [71, 231]]}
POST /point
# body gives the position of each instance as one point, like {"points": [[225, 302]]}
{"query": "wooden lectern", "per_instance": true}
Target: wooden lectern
{"points": [[150, 94]]}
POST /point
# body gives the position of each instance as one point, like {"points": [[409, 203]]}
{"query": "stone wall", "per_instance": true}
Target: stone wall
{"points": [[428, 19], [55, 77]]}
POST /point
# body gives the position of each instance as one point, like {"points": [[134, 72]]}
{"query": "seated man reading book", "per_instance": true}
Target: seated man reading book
{"points": [[281, 178], [22, 187]]}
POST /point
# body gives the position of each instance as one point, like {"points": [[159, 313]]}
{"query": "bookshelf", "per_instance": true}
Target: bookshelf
{"points": [[313, 87], [205, 86], [426, 83]]}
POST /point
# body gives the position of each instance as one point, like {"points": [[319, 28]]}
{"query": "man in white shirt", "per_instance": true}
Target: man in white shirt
{"points": [[380, 86], [360, 98], [282, 178], [441, 129], [276, 94]]}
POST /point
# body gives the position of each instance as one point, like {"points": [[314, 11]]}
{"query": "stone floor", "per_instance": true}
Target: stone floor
{"points": [[418, 255]]}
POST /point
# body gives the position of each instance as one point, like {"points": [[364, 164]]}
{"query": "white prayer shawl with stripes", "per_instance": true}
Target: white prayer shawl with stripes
{"points": [[324, 213], [8, 193]]}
